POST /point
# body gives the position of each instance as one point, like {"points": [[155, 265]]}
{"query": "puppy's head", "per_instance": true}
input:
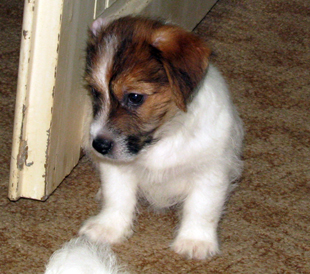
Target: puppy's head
{"points": [[141, 73]]}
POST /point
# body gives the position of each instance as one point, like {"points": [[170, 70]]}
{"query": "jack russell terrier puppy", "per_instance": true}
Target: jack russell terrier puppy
{"points": [[163, 127]]}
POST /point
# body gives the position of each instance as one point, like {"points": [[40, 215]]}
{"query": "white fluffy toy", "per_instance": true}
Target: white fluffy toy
{"points": [[80, 256]]}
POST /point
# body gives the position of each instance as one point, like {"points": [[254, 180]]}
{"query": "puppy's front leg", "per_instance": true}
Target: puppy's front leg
{"points": [[114, 222], [197, 236]]}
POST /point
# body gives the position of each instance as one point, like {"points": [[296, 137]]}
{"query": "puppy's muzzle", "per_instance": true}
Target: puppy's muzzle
{"points": [[103, 146]]}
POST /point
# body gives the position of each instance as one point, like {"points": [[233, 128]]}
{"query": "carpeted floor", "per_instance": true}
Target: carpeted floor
{"points": [[262, 48]]}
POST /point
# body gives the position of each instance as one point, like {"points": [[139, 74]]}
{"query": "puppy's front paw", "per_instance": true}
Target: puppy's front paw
{"points": [[106, 229], [195, 249]]}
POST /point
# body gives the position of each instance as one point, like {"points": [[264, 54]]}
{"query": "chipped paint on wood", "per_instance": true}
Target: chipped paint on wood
{"points": [[25, 34], [34, 102], [23, 156]]}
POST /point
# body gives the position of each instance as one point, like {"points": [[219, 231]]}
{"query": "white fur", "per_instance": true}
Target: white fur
{"points": [[80, 256], [194, 161], [103, 66]]}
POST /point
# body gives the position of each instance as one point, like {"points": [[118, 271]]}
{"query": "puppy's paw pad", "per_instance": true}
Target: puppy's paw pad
{"points": [[195, 249], [98, 231]]}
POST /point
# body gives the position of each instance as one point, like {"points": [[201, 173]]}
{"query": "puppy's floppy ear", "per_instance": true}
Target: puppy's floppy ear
{"points": [[185, 59]]}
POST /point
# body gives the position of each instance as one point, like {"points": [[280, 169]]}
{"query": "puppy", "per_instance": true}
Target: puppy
{"points": [[163, 127]]}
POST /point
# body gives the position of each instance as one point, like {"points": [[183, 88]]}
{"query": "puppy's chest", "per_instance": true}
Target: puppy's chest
{"points": [[165, 187]]}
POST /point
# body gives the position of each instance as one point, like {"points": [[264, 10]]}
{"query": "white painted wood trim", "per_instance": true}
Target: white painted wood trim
{"points": [[39, 46]]}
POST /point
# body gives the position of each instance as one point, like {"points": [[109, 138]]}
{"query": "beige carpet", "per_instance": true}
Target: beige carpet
{"points": [[262, 48]]}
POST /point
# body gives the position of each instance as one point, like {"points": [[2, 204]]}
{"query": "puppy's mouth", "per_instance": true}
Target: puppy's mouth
{"points": [[121, 149]]}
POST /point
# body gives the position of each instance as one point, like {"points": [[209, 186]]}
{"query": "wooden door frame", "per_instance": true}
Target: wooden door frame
{"points": [[32, 66]]}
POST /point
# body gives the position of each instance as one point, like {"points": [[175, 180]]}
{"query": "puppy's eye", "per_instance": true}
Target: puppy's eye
{"points": [[135, 99]]}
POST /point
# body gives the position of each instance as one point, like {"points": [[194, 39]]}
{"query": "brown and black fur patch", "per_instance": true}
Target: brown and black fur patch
{"points": [[163, 64]]}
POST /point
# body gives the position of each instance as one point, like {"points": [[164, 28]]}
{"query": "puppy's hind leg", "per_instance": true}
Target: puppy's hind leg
{"points": [[197, 236], [114, 222]]}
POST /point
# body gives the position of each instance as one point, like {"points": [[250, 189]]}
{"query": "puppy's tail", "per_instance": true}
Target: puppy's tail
{"points": [[80, 256]]}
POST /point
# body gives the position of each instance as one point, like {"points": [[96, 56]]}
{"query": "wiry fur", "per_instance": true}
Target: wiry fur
{"points": [[181, 145]]}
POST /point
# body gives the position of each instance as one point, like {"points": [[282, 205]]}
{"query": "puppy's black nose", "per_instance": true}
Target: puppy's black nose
{"points": [[103, 146]]}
